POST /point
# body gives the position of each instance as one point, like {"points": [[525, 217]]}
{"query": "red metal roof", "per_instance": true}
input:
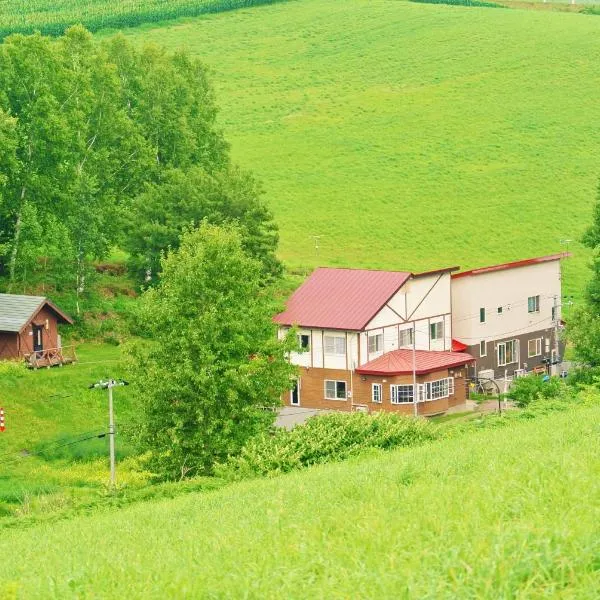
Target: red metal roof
{"points": [[400, 362], [341, 298], [512, 265], [458, 346]]}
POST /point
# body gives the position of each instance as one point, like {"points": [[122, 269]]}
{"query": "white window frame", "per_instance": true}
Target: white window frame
{"points": [[336, 382], [515, 352], [402, 393], [438, 327], [377, 398], [482, 344], [307, 336], [537, 349], [533, 304], [378, 343], [407, 333], [334, 345], [438, 389], [482, 313]]}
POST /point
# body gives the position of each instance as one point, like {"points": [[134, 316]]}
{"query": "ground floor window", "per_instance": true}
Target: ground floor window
{"points": [[441, 388], [507, 353], [376, 392], [401, 394], [482, 348], [534, 347], [335, 390]]}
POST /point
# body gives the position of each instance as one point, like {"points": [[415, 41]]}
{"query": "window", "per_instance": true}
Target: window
{"points": [[534, 347], [335, 344], [499, 310], [507, 353], [482, 315], [436, 330], [335, 390], [554, 313], [441, 388], [406, 338], [376, 392], [533, 304], [401, 394], [304, 341], [376, 343], [482, 348]]}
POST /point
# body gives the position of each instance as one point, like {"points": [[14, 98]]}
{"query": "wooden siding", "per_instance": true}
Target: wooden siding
{"points": [[312, 391]]}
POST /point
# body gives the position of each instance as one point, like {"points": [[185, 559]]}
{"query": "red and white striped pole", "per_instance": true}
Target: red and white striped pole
{"points": [[2, 423]]}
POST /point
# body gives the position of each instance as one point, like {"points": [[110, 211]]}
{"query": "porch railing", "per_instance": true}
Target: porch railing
{"points": [[51, 357]]}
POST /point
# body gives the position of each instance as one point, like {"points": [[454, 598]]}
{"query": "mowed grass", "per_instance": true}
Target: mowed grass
{"points": [[506, 513], [410, 136]]}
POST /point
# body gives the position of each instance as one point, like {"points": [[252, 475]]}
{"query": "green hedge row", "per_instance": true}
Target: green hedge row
{"points": [[462, 3]]}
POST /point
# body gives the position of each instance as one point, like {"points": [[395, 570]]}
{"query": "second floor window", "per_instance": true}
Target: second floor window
{"points": [[376, 343], [533, 304], [304, 341], [406, 338], [335, 345], [482, 315], [436, 330]]}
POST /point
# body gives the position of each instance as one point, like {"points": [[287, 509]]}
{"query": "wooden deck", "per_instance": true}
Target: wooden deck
{"points": [[51, 357]]}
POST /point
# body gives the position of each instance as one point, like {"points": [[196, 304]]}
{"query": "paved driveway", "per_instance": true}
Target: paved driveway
{"points": [[290, 416]]}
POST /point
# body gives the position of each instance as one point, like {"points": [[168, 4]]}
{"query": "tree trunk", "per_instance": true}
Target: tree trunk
{"points": [[17, 235]]}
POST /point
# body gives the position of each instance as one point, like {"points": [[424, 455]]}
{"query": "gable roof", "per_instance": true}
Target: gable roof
{"points": [[16, 311], [400, 362], [512, 265], [341, 298]]}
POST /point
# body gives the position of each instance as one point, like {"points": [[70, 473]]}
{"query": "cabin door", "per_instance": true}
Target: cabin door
{"points": [[295, 394], [38, 338]]}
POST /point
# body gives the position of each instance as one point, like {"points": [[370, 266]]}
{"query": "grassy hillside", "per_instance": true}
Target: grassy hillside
{"points": [[54, 16], [47, 413], [499, 514], [409, 135]]}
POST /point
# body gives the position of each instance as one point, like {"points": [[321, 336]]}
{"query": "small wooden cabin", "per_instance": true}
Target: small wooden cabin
{"points": [[29, 330]]}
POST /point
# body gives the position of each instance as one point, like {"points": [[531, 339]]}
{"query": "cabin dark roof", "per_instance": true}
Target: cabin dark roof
{"points": [[16, 311]]}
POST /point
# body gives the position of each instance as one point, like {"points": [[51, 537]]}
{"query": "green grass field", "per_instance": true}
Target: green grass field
{"points": [[505, 513], [54, 16], [410, 136]]}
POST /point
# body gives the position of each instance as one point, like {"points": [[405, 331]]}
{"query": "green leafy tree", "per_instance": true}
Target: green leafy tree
{"points": [[583, 329], [184, 198], [213, 361]]}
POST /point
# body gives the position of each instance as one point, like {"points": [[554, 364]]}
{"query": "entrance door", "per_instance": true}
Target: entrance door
{"points": [[295, 394], [38, 338]]}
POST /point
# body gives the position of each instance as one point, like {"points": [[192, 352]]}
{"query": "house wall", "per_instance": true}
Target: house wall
{"points": [[312, 391], [523, 360], [510, 289], [8, 345], [49, 334]]}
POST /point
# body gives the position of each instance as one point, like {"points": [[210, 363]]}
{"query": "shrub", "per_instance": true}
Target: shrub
{"points": [[527, 389], [325, 438], [12, 368]]}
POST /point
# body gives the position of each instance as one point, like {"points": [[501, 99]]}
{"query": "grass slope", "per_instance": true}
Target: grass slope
{"points": [[408, 135], [48, 408], [505, 513], [54, 16]]}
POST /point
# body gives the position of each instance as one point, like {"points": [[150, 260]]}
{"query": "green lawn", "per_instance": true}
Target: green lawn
{"points": [[47, 412], [410, 136], [505, 513]]}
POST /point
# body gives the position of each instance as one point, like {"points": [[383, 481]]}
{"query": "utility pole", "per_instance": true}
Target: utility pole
{"points": [[109, 385], [317, 239], [414, 368], [556, 323]]}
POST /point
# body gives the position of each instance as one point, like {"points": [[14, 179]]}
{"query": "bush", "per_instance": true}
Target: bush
{"points": [[12, 368], [326, 438], [527, 389]]}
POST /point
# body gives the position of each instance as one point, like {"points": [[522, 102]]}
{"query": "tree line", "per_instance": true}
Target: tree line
{"points": [[105, 144]]}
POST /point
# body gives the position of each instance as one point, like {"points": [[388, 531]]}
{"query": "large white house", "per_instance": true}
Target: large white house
{"points": [[408, 342]]}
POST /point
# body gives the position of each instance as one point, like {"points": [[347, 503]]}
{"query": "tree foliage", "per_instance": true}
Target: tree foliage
{"points": [[214, 361], [90, 132]]}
